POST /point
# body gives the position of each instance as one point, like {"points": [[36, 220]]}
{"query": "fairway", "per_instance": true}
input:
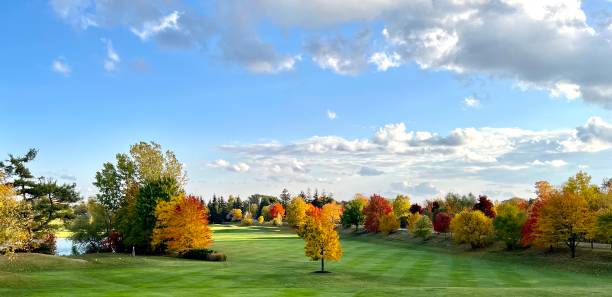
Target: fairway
{"points": [[267, 261]]}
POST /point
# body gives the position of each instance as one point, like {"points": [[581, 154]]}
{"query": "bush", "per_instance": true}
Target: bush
{"points": [[204, 255], [197, 254], [46, 244], [247, 220], [388, 224], [277, 221], [411, 221], [260, 220], [473, 227], [423, 227]]}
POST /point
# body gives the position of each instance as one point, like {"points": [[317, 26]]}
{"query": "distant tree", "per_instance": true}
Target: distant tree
{"points": [[442, 222], [285, 197], [354, 211], [528, 233], [563, 218], [472, 227], [181, 224], [318, 200], [322, 240], [376, 208], [485, 206], [411, 221], [508, 223], [388, 224], [415, 208], [152, 164], [247, 220], [236, 215], [332, 212], [454, 203], [604, 226], [276, 210], [423, 227], [265, 212], [89, 227], [296, 212], [401, 206]]}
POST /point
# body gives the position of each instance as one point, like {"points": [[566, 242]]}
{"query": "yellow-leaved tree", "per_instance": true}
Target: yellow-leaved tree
{"points": [[388, 224], [563, 218], [401, 206], [15, 217], [322, 241], [296, 212], [472, 227], [332, 212], [411, 220], [182, 224]]}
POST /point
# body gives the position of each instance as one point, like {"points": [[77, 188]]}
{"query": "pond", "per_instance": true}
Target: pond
{"points": [[63, 246]]}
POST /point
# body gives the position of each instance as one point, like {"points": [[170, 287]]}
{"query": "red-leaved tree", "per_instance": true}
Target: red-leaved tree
{"points": [[376, 208], [486, 206], [277, 209], [442, 222], [415, 208]]}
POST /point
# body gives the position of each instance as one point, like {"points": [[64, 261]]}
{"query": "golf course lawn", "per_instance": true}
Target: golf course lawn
{"points": [[267, 261]]}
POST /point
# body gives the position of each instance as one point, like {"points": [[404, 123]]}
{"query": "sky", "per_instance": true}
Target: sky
{"points": [[353, 96]]}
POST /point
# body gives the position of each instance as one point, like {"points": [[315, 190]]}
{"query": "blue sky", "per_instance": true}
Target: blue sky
{"points": [[486, 97]]}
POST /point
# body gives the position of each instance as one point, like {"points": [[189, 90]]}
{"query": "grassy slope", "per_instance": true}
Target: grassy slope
{"points": [[270, 262]]}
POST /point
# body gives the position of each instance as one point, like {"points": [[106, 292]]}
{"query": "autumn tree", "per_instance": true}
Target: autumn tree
{"points": [[442, 222], [15, 218], [332, 212], [472, 227], [528, 233], [401, 208], [411, 221], [276, 210], [485, 206], [376, 208], [388, 224], [354, 211], [604, 227], [285, 197], [89, 226], [236, 214], [563, 218], [415, 208], [508, 223], [322, 240], [296, 212], [454, 203], [182, 224], [423, 227]]}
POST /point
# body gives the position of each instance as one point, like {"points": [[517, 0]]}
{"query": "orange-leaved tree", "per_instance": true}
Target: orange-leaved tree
{"points": [[276, 210], [182, 224], [528, 233], [376, 208], [322, 241]]}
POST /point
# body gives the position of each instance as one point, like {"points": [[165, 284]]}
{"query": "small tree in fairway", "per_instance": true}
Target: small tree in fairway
{"points": [[322, 241]]}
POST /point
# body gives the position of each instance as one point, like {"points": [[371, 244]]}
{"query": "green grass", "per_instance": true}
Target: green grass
{"points": [[267, 261]]}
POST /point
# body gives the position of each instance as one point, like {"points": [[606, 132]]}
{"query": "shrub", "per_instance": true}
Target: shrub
{"points": [[277, 221], [236, 214], [47, 244], [442, 222], [204, 255], [423, 227], [247, 220], [473, 227], [411, 220], [388, 224], [260, 220], [196, 254]]}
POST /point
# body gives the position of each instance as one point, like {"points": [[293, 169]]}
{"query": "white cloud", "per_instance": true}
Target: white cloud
{"points": [[384, 61], [331, 115], [553, 163], [112, 58], [420, 189], [368, 171], [152, 28], [60, 65], [237, 167], [471, 101]]}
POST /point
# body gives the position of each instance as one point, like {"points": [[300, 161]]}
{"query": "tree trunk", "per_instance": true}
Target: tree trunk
{"points": [[322, 265]]}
